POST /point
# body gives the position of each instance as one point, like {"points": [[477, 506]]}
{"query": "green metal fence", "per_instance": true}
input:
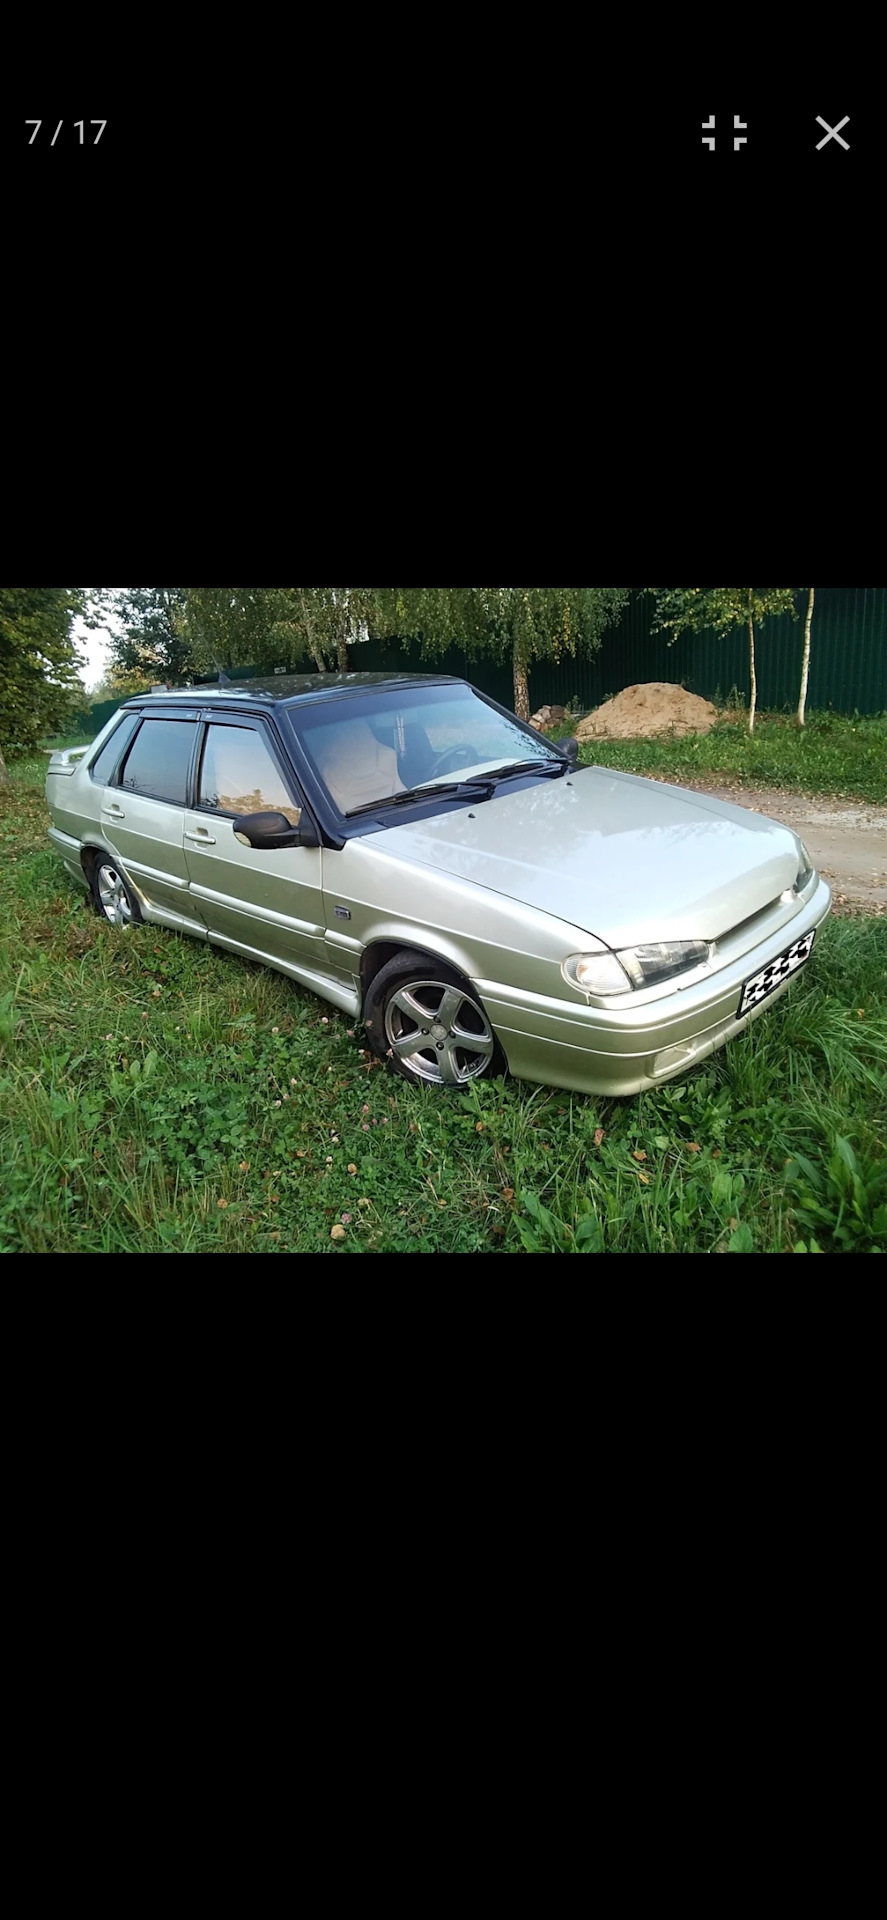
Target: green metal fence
{"points": [[848, 660], [848, 655], [92, 719]]}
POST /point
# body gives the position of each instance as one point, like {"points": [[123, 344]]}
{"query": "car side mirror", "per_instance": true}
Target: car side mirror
{"points": [[570, 750], [267, 831]]}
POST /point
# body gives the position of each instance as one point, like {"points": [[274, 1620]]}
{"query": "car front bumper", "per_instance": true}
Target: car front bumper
{"points": [[623, 1048]]}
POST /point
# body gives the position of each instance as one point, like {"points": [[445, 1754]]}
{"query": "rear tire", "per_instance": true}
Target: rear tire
{"points": [[111, 894]]}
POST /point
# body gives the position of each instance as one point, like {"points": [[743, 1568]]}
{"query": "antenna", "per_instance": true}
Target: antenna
{"points": [[224, 680]]}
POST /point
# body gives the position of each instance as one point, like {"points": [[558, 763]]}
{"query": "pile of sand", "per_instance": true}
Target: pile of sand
{"points": [[640, 712]]}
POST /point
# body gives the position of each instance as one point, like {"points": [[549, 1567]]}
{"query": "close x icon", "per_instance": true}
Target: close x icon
{"points": [[740, 133]]}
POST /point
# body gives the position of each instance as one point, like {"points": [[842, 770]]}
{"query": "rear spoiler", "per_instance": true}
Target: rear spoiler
{"points": [[64, 759]]}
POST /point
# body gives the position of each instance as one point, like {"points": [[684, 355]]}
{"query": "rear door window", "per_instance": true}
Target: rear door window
{"points": [[158, 760]]}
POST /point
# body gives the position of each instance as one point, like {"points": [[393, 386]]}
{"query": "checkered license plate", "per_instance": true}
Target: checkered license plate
{"points": [[772, 976]]}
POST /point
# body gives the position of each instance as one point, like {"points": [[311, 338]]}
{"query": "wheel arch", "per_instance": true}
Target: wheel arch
{"points": [[378, 953], [92, 852]]}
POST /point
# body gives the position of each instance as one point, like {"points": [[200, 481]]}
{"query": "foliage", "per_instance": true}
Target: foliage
{"points": [[228, 627], [321, 623], [695, 609], [115, 686], [268, 627], [522, 624], [169, 633], [435, 618], [150, 642], [39, 662], [845, 1202], [160, 1095]]}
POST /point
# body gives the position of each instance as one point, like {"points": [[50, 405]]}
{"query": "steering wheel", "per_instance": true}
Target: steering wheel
{"points": [[451, 759]]}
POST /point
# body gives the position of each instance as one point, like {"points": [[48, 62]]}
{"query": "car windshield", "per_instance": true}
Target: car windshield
{"points": [[375, 746]]}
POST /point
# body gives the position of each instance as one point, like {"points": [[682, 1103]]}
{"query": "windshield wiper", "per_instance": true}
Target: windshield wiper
{"points": [[469, 789], [479, 789], [554, 769]]}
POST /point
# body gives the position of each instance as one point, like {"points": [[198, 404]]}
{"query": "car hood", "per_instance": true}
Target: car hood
{"points": [[623, 858]]}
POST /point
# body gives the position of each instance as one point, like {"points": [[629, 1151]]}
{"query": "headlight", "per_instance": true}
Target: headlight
{"points": [[662, 959], [643, 966], [805, 868]]}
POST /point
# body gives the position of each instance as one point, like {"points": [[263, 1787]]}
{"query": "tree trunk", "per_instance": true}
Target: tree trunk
{"points": [[521, 689], [343, 628], [805, 659], [316, 654], [751, 664], [4, 776]]}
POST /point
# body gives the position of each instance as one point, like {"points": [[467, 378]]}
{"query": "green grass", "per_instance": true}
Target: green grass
{"points": [[157, 1094], [832, 755]]}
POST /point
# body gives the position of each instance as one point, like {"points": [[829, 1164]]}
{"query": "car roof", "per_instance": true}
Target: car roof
{"points": [[290, 689]]}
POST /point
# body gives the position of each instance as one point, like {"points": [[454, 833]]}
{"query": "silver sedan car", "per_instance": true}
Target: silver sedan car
{"points": [[407, 849]]}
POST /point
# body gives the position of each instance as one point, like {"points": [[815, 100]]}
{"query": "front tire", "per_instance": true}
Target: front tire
{"points": [[427, 1022]]}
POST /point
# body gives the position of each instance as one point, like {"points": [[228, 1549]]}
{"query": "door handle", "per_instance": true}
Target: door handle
{"points": [[113, 813], [203, 839]]}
